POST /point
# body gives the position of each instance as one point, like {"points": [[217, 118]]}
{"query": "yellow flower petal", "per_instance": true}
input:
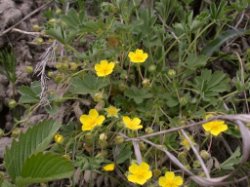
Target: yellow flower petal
{"points": [[83, 118], [215, 127], [138, 56], [112, 111], [139, 173], [89, 122], [132, 124], [104, 62], [93, 113], [162, 181], [169, 175], [136, 121], [178, 180], [170, 180], [133, 168], [109, 167], [104, 68], [126, 120], [100, 120], [144, 166]]}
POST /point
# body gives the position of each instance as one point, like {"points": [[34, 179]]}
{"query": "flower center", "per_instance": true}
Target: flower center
{"points": [[138, 57]]}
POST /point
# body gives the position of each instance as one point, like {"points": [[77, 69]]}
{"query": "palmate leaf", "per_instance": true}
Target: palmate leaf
{"points": [[43, 168], [89, 84], [210, 84], [138, 95], [35, 140], [30, 94]]}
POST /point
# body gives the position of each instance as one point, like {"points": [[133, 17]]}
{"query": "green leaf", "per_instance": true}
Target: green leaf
{"points": [[30, 94], [58, 33], [35, 140], [6, 183], [73, 19], [234, 159], [209, 85], [124, 153], [194, 62], [215, 44], [172, 101], [43, 168], [138, 95], [89, 84]]}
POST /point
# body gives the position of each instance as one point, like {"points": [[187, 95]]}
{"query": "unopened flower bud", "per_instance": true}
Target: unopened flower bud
{"points": [[12, 103], [52, 21], [182, 156], [66, 156], [58, 11], [204, 154], [196, 164], [98, 97], [73, 66], [16, 132], [152, 68], [38, 41], [171, 73], [119, 139], [29, 69], [36, 28], [102, 154], [149, 130], [103, 137], [146, 82], [58, 138], [183, 101]]}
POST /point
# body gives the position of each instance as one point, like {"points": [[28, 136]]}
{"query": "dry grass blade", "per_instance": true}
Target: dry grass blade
{"points": [[245, 134], [137, 151], [203, 165], [199, 180]]}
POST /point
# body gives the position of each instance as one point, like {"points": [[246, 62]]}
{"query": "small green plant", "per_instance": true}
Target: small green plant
{"points": [[148, 92], [27, 162], [8, 62]]}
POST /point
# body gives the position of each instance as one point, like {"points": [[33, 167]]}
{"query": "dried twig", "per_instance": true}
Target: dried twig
{"points": [[26, 17], [34, 34], [137, 151], [48, 56], [203, 165]]}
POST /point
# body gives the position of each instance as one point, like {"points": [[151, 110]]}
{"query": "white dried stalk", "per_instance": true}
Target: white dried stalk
{"points": [[203, 165], [46, 57], [137, 151]]}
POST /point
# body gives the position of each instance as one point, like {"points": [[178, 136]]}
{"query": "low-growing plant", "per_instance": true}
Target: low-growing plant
{"points": [[148, 92]]}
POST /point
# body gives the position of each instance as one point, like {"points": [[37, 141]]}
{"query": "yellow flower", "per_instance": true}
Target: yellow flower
{"points": [[139, 173], [58, 138], [215, 127], [138, 56], [109, 167], [112, 111], [170, 180], [104, 68], [92, 120], [185, 143], [132, 124]]}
